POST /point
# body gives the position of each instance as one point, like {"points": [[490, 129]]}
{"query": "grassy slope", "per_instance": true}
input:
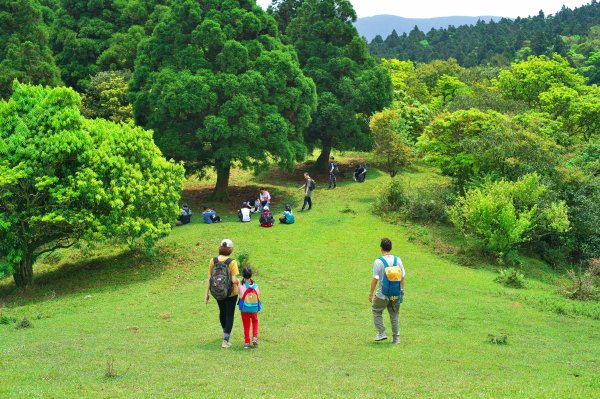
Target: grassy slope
{"points": [[315, 329]]}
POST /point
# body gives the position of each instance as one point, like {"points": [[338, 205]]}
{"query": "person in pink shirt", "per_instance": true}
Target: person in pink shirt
{"points": [[265, 198], [249, 305]]}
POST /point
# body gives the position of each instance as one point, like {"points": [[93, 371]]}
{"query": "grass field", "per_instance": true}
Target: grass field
{"points": [[142, 320]]}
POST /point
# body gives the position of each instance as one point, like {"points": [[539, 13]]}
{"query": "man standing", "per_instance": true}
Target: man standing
{"points": [[308, 186], [389, 272], [333, 170]]}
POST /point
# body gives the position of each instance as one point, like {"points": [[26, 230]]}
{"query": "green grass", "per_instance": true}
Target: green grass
{"points": [[108, 323]]}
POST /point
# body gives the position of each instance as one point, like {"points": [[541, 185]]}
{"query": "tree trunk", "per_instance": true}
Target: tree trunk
{"points": [[322, 163], [24, 274], [223, 171]]}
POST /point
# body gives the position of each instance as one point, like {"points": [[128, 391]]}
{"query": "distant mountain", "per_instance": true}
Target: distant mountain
{"points": [[383, 25]]}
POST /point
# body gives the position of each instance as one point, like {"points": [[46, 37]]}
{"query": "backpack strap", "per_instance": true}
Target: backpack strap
{"points": [[382, 259], [228, 261], [395, 261]]}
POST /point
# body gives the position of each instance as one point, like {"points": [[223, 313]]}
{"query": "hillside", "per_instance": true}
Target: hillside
{"points": [[109, 323], [383, 25]]}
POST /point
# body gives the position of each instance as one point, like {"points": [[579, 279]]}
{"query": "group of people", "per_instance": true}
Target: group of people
{"points": [[386, 292], [262, 204]]}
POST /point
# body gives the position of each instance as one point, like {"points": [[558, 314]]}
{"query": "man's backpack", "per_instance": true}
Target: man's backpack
{"points": [[220, 279], [392, 277], [249, 302], [311, 184]]}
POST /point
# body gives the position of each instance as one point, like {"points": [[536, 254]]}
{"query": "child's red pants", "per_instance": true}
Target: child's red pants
{"points": [[248, 318]]}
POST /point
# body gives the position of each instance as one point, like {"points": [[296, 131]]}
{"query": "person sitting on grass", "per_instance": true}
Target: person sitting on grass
{"points": [[249, 305], [360, 173], [210, 216], [288, 215], [244, 214], [185, 217], [266, 219]]}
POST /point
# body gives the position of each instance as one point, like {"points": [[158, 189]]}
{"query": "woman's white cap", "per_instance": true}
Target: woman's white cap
{"points": [[227, 243]]}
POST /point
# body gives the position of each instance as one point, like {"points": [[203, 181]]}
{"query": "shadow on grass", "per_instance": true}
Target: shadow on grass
{"points": [[103, 273], [198, 197]]}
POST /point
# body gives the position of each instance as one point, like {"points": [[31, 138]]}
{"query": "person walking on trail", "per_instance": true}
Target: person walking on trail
{"points": [[223, 286], [388, 278], [333, 170], [308, 186], [249, 305]]}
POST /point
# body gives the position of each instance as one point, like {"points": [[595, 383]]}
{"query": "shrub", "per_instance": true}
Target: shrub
{"points": [[243, 259], [498, 339], [418, 205], [583, 286], [511, 278], [503, 215], [24, 323], [7, 319]]}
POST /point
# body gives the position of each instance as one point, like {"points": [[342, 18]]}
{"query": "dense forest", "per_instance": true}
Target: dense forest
{"points": [[498, 43]]}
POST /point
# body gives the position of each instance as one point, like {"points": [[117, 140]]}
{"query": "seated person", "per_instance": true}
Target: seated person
{"points": [[267, 219], [244, 213], [288, 215], [210, 216], [254, 205], [186, 215], [360, 173]]}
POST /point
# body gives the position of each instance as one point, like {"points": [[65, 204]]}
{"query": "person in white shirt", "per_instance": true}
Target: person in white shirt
{"points": [[245, 213], [265, 198]]}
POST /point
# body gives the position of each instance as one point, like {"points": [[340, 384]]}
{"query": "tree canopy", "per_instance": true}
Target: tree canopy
{"points": [[350, 86], [217, 85], [64, 179], [24, 50]]}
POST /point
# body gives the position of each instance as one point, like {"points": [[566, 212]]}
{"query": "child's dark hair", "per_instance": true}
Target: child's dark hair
{"points": [[247, 274], [204, 207], [386, 244]]}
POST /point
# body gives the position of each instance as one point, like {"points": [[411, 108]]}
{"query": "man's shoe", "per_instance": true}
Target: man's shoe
{"points": [[225, 344], [396, 340], [380, 337]]}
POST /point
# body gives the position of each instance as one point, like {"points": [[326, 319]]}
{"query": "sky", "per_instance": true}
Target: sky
{"points": [[446, 8]]}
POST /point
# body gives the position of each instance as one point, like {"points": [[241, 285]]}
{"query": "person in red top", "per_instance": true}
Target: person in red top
{"points": [[267, 219], [249, 307]]}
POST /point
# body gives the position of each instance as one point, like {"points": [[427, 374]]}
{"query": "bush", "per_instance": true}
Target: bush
{"points": [[24, 323], [583, 286], [511, 278], [418, 205], [503, 215], [498, 339]]}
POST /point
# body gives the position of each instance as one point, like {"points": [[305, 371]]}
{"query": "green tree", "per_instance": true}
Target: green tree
{"points": [[527, 80], [217, 86], [106, 97], [503, 215], [392, 144], [351, 87], [471, 145], [64, 179], [24, 51]]}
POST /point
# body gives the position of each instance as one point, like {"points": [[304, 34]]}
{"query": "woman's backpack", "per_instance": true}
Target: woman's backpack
{"points": [[392, 277], [220, 279]]}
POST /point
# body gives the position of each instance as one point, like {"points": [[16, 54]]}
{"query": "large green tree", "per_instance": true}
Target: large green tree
{"points": [[217, 86], [64, 179], [24, 50], [351, 87]]}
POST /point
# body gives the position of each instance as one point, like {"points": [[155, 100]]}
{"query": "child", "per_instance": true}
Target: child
{"points": [[267, 219], [288, 215], [244, 213], [249, 305], [210, 216]]}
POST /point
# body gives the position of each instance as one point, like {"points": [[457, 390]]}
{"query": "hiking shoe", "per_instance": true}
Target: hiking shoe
{"points": [[247, 346], [225, 344], [396, 340], [255, 341], [380, 337]]}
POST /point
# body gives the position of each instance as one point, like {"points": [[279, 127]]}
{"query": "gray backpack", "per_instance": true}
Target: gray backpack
{"points": [[220, 279]]}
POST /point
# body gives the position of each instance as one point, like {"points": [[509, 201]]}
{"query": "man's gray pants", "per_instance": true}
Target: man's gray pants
{"points": [[393, 307]]}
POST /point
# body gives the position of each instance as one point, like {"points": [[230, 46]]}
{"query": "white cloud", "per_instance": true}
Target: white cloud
{"points": [[443, 8]]}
